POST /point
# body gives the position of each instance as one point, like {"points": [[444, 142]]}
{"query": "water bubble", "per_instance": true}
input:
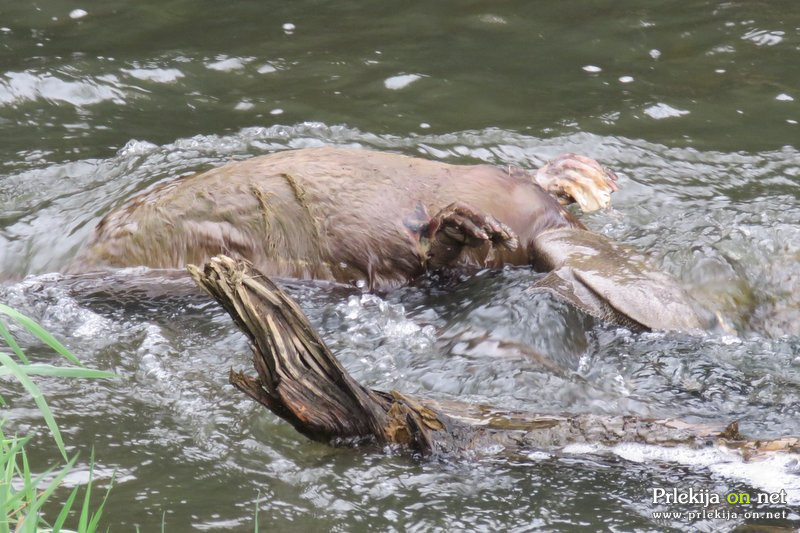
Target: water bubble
{"points": [[592, 68], [136, 148], [158, 75], [626, 79], [538, 456], [661, 111], [492, 19], [400, 81], [289, 28], [655, 54], [77, 14], [764, 37], [276, 111], [224, 63], [783, 97]]}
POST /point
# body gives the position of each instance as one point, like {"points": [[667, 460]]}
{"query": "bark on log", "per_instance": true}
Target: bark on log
{"points": [[300, 380]]}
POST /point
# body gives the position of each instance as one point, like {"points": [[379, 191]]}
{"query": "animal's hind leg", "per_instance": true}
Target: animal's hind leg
{"points": [[460, 226]]}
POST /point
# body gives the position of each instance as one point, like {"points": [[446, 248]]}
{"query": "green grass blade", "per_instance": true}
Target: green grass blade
{"points": [[39, 332], [258, 500], [10, 448], [27, 498], [31, 499], [5, 525], [62, 516], [54, 483], [36, 394], [42, 369], [99, 512], [30, 524], [30, 519], [83, 522], [28, 487], [9, 498], [12, 343]]}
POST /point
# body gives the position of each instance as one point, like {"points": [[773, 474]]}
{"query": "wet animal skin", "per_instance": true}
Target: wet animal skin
{"points": [[353, 216]]}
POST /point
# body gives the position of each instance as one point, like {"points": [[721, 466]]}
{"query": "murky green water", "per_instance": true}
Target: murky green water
{"points": [[695, 103]]}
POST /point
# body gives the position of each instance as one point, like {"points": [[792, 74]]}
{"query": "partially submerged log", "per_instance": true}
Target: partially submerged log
{"points": [[300, 380]]}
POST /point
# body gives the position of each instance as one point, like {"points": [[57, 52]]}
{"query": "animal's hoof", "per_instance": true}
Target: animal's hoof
{"points": [[576, 178], [469, 227]]}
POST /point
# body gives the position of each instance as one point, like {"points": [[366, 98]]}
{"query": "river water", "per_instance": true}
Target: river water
{"points": [[694, 103]]}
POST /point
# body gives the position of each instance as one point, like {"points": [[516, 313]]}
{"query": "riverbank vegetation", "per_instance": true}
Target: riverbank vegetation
{"points": [[24, 492]]}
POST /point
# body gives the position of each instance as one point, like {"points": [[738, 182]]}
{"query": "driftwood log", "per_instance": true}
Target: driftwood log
{"points": [[300, 380]]}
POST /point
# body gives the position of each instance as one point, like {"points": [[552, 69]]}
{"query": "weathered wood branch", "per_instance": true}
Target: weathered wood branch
{"points": [[301, 381]]}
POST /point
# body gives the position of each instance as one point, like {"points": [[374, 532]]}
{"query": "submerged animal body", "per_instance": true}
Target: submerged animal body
{"points": [[326, 213], [351, 215]]}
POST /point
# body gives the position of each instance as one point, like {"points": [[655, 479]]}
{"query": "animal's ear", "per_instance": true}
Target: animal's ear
{"points": [[613, 284]]}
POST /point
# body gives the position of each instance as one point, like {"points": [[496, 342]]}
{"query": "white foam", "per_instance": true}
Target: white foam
{"points": [[488, 18], [764, 37], [581, 448], [778, 471], [151, 352], [538, 456], [661, 111], [228, 64], [401, 81], [158, 75]]}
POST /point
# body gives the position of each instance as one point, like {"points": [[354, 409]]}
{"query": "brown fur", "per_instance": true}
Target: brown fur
{"points": [[324, 213]]}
